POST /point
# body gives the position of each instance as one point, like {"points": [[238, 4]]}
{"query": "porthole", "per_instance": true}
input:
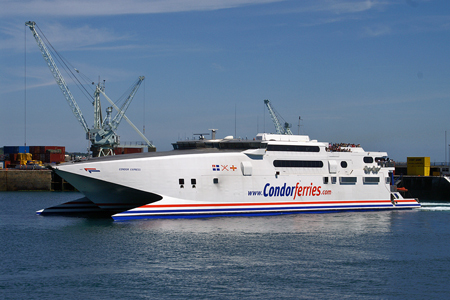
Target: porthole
{"points": [[343, 164]]}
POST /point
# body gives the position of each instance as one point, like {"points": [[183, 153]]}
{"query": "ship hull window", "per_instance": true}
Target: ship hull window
{"points": [[371, 180], [347, 180]]}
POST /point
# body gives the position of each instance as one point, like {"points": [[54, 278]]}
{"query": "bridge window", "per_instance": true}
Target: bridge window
{"points": [[368, 159]]}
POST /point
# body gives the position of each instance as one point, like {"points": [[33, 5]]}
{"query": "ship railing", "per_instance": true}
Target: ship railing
{"points": [[386, 164], [432, 164], [133, 143]]}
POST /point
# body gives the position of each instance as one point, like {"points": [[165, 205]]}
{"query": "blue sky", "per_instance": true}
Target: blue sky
{"points": [[374, 72]]}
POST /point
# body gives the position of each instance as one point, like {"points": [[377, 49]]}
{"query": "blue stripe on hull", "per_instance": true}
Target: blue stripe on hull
{"points": [[198, 213]]}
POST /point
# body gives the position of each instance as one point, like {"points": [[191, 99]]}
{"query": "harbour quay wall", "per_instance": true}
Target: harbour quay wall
{"points": [[25, 180], [32, 180], [426, 188]]}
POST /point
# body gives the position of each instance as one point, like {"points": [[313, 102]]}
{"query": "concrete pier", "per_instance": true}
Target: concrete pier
{"points": [[426, 188], [32, 180]]}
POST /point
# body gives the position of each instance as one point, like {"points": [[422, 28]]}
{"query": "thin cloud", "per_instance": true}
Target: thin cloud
{"points": [[60, 36], [65, 8], [80, 36], [377, 30], [36, 77], [336, 7], [344, 7]]}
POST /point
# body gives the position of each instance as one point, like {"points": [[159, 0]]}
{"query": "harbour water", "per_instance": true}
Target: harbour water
{"points": [[366, 255]]}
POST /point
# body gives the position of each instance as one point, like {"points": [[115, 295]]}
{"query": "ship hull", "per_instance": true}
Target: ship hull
{"points": [[179, 210], [233, 183]]}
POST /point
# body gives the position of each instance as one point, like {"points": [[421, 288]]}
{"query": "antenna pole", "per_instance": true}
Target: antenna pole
{"points": [[143, 126], [235, 120], [25, 88]]}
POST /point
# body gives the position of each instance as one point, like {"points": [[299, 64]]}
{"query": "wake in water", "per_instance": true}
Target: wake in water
{"points": [[435, 206]]}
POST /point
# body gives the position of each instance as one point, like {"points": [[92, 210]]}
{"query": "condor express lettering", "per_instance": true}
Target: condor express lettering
{"points": [[289, 191]]}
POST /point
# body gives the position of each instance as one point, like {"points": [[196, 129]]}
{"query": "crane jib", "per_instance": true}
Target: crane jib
{"points": [[103, 135]]}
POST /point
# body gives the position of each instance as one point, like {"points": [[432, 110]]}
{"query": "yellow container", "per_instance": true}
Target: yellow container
{"points": [[418, 161], [418, 171]]}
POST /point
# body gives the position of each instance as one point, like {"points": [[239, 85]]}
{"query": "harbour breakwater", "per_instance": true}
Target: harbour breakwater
{"points": [[32, 180]]}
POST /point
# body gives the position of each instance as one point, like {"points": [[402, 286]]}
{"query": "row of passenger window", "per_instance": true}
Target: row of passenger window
{"points": [[353, 180], [293, 148], [296, 148], [193, 182], [298, 163], [310, 163]]}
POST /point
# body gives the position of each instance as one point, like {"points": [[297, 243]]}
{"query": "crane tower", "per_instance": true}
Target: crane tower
{"points": [[281, 129], [103, 137]]}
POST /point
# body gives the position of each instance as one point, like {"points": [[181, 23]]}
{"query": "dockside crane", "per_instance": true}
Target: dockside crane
{"points": [[102, 136], [281, 129]]}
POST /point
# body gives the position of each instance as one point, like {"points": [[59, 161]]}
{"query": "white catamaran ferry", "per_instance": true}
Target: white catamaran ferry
{"points": [[271, 174]]}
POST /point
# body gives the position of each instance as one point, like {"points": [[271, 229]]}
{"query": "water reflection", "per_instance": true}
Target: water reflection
{"points": [[350, 222]]}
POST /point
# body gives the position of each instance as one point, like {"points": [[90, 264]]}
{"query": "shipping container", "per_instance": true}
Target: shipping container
{"points": [[9, 149], [16, 149], [418, 161], [53, 149], [13, 156], [35, 149], [128, 150], [418, 171], [41, 157], [54, 157]]}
